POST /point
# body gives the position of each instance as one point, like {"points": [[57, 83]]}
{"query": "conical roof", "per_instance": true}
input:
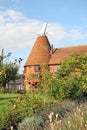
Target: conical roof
{"points": [[40, 52]]}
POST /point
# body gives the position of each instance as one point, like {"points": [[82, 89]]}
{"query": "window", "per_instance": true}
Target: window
{"points": [[37, 68], [56, 68]]}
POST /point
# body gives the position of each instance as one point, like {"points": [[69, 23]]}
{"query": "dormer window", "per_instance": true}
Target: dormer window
{"points": [[37, 68]]}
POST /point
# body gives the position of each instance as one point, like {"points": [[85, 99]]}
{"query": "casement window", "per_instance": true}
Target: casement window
{"points": [[37, 68], [56, 68]]}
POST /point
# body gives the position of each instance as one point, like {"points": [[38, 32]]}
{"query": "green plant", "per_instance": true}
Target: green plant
{"points": [[32, 123], [25, 106], [3, 120], [40, 120], [5, 98], [70, 80], [74, 120]]}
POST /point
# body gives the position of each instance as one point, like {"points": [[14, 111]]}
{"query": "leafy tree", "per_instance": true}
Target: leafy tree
{"points": [[8, 69], [45, 77], [70, 80]]}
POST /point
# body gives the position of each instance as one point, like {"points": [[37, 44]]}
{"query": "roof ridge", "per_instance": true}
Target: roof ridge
{"points": [[71, 46]]}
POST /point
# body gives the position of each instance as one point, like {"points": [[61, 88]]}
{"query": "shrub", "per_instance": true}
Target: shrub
{"points": [[32, 123], [74, 120], [41, 120], [25, 106], [3, 120]]}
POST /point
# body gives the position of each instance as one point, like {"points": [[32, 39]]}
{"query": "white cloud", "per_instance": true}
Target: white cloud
{"points": [[57, 32], [18, 31], [76, 34], [11, 16]]}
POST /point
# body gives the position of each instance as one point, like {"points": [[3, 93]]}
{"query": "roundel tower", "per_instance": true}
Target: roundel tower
{"points": [[39, 54]]}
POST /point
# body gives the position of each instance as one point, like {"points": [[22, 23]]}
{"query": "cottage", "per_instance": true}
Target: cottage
{"points": [[16, 85], [43, 52]]}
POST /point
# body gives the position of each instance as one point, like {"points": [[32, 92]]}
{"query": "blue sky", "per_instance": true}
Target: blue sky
{"points": [[22, 20]]}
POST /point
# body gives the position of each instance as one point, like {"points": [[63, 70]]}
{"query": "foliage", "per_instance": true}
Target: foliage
{"points": [[8, 69], [66, 115], [73, 73], [73, 120], [70, 80], [32, 123], [40, 120], [31, 112], [4, 108], [25, 106]]}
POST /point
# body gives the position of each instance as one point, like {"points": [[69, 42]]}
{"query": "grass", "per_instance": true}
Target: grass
{"points": [[5, 98], [4, 101]]}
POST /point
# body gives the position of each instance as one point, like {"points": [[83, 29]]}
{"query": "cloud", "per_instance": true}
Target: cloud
{"points": [[57, 32], [76, 34], [11, 16], [18, 31]]}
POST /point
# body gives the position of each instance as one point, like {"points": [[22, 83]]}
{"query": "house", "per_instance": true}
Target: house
{"points": [[16, 85], [43, 52]]}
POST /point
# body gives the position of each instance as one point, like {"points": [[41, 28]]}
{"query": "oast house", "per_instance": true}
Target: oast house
{"points": [[43, 52]]}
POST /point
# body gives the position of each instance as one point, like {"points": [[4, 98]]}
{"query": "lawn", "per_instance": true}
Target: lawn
{"points": [[5, 98]]}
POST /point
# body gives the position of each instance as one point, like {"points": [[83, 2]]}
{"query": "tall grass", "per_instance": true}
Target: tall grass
{"points": [[74, 120]]}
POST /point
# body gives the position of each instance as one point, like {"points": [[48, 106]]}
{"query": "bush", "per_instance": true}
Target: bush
{"points": [[41, 121], [74, 120], [32, 123], [3, 120], [70, 80], [25, 106]]}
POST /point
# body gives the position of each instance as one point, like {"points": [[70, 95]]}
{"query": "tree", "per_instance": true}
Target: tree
{"points": [[8, 69], [70, 80], [72, 77]]}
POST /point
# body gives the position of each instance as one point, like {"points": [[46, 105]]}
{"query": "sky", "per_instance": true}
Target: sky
{"points": [[22, 20]]}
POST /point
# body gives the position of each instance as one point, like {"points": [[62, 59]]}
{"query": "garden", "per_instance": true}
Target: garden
{"points": [[34, 112], [58, 103]]}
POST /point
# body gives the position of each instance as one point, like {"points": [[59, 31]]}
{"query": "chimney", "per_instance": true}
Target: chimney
{"points": [[51, 49]]}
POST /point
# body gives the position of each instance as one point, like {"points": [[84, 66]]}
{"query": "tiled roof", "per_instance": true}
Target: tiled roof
{"points": [[62, 54], [40, 52]]}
